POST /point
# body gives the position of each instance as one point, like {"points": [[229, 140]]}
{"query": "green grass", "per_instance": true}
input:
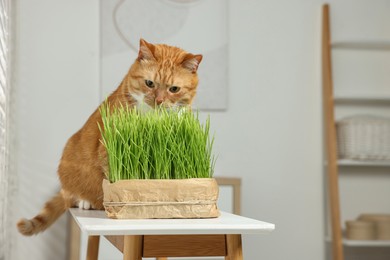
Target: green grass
{"points": [[159, 144]]}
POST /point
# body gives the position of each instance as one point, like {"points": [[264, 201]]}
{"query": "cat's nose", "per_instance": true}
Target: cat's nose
{"points": [[159, 100]]}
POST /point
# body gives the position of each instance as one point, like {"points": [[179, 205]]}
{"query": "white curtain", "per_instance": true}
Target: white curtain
{"points": [[7, 180]]}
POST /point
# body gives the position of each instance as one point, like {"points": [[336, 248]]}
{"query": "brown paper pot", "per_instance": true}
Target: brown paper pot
{"points": [[184, 198]]}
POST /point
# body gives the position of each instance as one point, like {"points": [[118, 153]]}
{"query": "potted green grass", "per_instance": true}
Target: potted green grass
{"points": [[160, 164]]}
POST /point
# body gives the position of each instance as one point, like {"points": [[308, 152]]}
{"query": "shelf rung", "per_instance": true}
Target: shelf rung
{"points": [[368, 45], [363, 99], [356, 163], [362, 243], [346, 162]]}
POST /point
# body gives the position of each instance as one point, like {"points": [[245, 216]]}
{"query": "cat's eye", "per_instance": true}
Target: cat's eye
{"points": [[174, 89], [149, 83]]}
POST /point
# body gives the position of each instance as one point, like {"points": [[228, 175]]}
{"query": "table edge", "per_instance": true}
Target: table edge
{"points": [[248, 230]]}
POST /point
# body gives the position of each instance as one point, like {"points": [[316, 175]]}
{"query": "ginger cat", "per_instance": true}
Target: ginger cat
{"points": [[160, 76]]}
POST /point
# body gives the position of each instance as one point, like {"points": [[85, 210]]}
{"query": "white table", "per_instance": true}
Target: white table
{"points": [[161, 238]]}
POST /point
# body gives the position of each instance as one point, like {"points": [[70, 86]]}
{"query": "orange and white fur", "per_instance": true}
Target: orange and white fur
{"points": [[161, 75]]}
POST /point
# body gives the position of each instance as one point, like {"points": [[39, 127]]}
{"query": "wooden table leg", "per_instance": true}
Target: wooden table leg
{"points": [[132, 248], [74, 240], [93, 247], [234, 247]]}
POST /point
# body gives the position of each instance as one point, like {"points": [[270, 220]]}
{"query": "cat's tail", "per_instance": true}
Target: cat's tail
{"points": [[52, 210]]}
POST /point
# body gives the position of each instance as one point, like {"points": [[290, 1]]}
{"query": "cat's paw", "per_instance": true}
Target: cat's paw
{"points": [[83, 204]]}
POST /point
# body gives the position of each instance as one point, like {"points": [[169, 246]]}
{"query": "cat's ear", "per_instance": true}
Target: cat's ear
{"points": [[191, 62], [146, 50]]}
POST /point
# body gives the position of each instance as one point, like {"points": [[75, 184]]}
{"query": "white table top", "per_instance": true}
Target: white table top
{"points": [[95, 222]]}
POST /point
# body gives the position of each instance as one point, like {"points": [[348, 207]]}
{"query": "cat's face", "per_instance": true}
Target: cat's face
{"points": [[163, 75]]}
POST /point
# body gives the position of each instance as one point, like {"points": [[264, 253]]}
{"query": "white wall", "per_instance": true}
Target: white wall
{"points": [[270, 136], [57, 83]]}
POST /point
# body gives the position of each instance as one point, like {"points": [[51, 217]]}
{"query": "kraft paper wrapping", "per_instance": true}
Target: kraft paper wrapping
{"points": [[185, 198]]}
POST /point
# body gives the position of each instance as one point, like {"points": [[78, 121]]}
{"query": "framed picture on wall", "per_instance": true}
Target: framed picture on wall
{"points": [[197, 26]]}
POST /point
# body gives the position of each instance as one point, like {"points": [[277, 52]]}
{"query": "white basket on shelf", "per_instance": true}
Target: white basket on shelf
{"points": [[364, 138]]}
